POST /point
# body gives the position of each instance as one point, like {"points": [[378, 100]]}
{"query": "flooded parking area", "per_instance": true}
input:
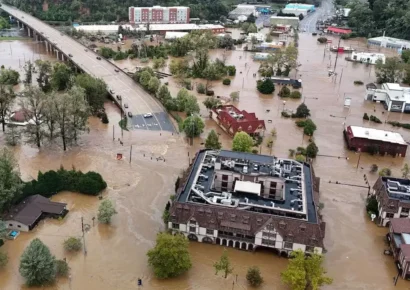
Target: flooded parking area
{"points": [[116, 253]]}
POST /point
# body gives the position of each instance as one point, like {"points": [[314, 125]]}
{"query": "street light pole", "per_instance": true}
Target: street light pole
{"points": [[358, 160]]}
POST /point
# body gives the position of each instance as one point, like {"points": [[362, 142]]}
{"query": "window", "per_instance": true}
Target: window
{"points": [[209, 232], [225, 184], [19, 226], [192, 223], [224, 177], [192, 229], [269, 235], [268, 242], [310, 249], [175, 226], [389, 215], [273, 184], [10, 225], [405, 210], [288, 245]]}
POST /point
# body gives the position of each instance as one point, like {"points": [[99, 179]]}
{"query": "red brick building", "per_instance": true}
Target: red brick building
{"points": [[375, 141], [233, 120]]}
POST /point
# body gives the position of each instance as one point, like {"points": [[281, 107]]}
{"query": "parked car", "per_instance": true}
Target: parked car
{"points": [[111, 92], [99, 58], [148, 115], [118, 97], [130, 114], [70, 55], [117, 70], [126, 105]]}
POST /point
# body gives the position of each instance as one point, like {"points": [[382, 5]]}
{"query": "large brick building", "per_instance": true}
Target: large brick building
{"points": [[158, 14], [247, 201]]}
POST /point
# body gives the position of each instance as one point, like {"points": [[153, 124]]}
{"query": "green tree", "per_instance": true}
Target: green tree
{"points": [[191, 105], [153, 84], [284, 92], [361, 18], [28, 69], [44, 75], [62, 268], [3, 229], [405, 171], [305, 272], [385, 172], [181, 99], [309, 128], [10, 182], [33, 106], [9, 77], [73, 244], [164, 94], [254, 277], [7, 97], [170, 256], [242, 142], [245, 26], [392, 71], [302, 111], [224, 265], [252, 28], [144, 78], [266, 86], [200, 88], [105, 211], [212, 103], [179, 67], [405, 55], [4, 259], [193, 126], [312, 150], [95, 91], [295, 95], [158, 63], [60, 76], [212, 141], [37, 264], [234, 96]]}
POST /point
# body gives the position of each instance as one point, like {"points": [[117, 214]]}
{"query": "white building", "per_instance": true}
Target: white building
{"points": [[243, 10], [172, 35], [394, 97], [296, 11], [158, 14], [389, 42], [367, 57], [260, 37]]}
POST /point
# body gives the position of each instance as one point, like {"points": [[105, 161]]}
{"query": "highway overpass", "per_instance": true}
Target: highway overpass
{"points": [[139, 102]]}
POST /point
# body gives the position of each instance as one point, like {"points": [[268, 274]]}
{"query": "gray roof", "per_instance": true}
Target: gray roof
{"points": [[29, 210]]}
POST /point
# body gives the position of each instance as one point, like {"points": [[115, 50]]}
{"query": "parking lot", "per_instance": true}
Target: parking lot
{"points": [[158, 122]]}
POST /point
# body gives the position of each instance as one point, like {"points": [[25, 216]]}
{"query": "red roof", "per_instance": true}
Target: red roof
{"points": [[400, 225], [339, 30], [19, 116], [237, 120]]}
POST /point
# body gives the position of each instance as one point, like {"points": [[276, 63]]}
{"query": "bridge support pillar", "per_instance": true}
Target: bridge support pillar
{"points": [[29, 31], [46, 44], [18, 24]]}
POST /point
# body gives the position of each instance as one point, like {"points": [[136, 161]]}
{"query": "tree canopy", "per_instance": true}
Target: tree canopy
{"points": [[170, 256], [212, 141], [10, 183], [224, 265], [305, 272], [105, 211], [242, 142], [193, 126], [37, 264]]}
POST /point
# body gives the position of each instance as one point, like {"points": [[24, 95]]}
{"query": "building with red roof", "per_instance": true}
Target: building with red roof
{"points": [[336, 30], [233, 120]]}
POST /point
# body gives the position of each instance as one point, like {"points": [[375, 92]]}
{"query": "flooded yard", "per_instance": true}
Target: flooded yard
{"points": [[116, 253]]}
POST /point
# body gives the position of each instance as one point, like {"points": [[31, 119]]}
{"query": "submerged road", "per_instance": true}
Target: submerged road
{"points": [[139, 102], [308, 24]]}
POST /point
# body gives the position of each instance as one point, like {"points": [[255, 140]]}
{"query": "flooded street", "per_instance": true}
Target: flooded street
{"points": [[116, 253]]}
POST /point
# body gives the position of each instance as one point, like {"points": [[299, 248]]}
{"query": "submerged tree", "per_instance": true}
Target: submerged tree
{"points": [[105, 211], [45, 68], [6, 103], [242, 142], [37, 264], [305, 272], [224, 265], [170, 256], [212, 141]]}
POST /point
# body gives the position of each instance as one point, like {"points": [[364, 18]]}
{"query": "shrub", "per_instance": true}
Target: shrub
{"points": [[62, 268], [285, 114], [366, 117], [254, 276], [284, 92], [300, 123], [200, 88], [375, 119], [291, 153], [210, 93], [73, 244], [231, 70], [300, 158], [144, 60], [226, 82], [4, 259], [295, 95], [312, 150], [374, 168], [358, 83], [385, 172], [322, 40], [266, 86], [372, 205], [104, 118], [255, 151]]}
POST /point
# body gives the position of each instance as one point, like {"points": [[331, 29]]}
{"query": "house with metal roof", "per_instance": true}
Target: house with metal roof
{"points": [[247, 201], [28, 213], [399, 241]]}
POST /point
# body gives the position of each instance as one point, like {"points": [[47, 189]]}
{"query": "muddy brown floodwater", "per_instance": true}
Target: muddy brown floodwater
{"points": [[116, 253]]}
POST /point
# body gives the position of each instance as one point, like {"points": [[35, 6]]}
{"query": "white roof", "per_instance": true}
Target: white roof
{"points": [[174, 34], [153, 27], [375, 134], [248, 186], [394, 87]]}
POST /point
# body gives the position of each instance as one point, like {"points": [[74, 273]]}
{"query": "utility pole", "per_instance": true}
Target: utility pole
{"points": [[113, 138], [337, 55], [82, 228], [130, 153]]}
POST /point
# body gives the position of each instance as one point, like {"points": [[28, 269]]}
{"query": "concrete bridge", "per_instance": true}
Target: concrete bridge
{"points": [[65, 48]]}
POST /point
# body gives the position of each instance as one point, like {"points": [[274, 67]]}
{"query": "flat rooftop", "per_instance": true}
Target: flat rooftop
{"points": [[375, 134], [397, 188], [390, 41], [296, 199]]}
